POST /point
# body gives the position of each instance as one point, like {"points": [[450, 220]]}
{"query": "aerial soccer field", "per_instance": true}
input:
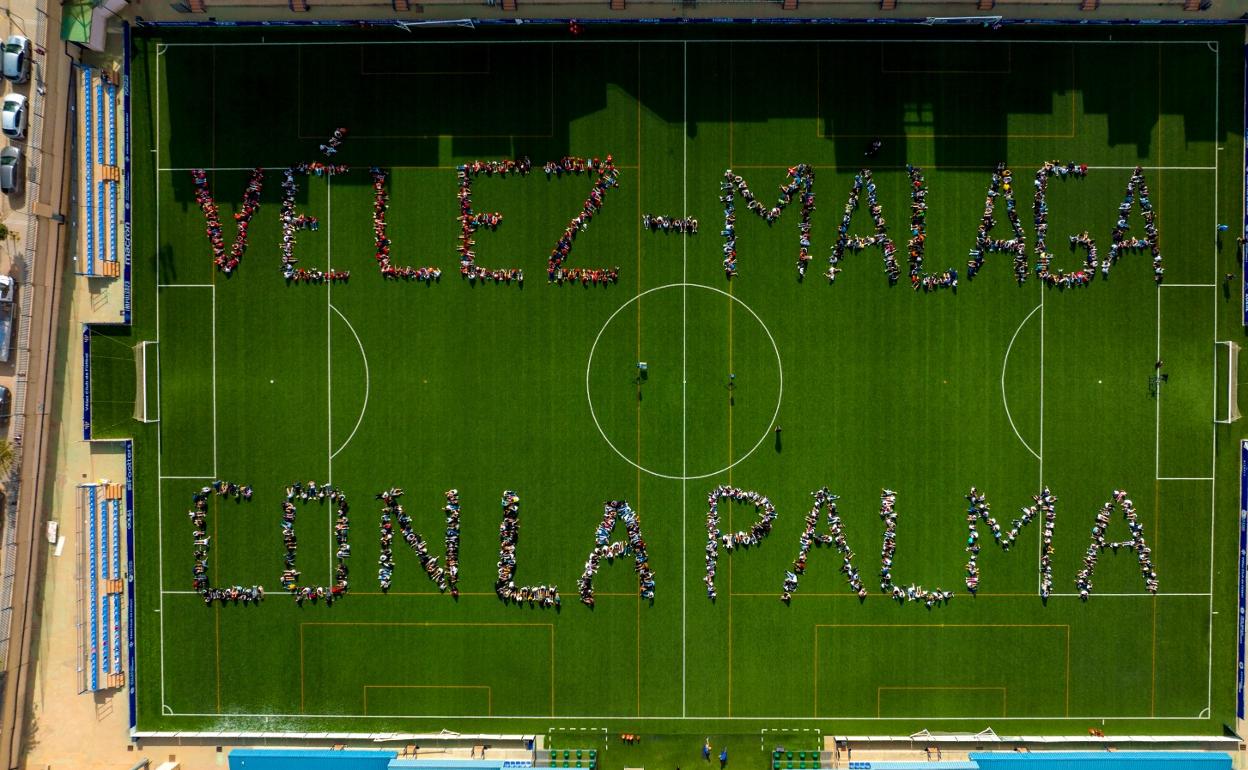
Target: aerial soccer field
{"points": [[649, 378]]}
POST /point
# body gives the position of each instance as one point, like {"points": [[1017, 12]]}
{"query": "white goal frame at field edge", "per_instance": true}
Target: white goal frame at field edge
{"points": [[1232, 383]]}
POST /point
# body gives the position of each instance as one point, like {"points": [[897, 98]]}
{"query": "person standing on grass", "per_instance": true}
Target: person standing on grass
{"points": [[723, 758], [706, 750]]}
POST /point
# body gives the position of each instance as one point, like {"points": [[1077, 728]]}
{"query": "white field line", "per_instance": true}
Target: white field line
{"points": [[1040, 456], [651, 41], [1213, 460], [329, 362], [1005, 402], [684, 436], [1153, 168], [160, 516], [210, 476], [364, 358], [549, 718], [1187, 285], [215, 469], [1141, 595], [184, 285], [1157, 397], [1185, 478]]}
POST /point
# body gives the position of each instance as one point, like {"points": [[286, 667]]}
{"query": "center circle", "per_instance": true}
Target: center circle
{"points": [[670, 384]]}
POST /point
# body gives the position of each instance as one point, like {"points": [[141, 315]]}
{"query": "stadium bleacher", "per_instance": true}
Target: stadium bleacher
{"points": [[103, 584], [100, 240]]}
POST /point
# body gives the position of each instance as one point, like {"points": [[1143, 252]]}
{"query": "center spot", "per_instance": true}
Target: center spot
{"points": [[684, 415]]}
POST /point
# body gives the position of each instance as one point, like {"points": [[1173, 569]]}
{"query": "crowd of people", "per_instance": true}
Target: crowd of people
{"points": [[1143, 553], [739, 539], [824, 500], [1080, 277], [445, 578], [330, 148], [381, 203], [657, 222], [979, 509], [1040, 214], [318, 493], [617, 510], [292, 222], [203, 542], [1137, 189], [863, 182], [888, 548], [1001, 186], [227, 261], [800, 182], [607, 177], [470, 221], [947, 279], [505, 586]]}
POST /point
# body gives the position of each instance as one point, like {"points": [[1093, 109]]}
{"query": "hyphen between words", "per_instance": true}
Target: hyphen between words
{"points": [[799, 185], [443, 570]]}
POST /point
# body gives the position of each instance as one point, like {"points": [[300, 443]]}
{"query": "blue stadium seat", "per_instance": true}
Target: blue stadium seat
{"points": [[88, 161], [92, 587]]}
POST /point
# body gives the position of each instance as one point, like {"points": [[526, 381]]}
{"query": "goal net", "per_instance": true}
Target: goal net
{"points": [[146, 406], [1226, 373]]}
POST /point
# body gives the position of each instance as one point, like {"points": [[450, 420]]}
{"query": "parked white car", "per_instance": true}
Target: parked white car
{"points": [[13, 116], [17, 58]]}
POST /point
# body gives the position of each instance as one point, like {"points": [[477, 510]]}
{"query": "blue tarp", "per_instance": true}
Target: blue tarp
{"points": [[1103, 760], [924, 765], [297, 759]]}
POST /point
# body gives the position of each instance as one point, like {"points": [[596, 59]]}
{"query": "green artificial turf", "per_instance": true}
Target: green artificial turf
{"points": [[484, 388]]}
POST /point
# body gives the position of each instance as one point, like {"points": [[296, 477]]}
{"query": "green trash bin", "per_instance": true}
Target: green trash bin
{"points": [[553, 755], [788, 755], [566, 754], [593, 754]]}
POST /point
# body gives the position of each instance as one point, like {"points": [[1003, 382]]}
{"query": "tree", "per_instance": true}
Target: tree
{"points": [[7, 456]]}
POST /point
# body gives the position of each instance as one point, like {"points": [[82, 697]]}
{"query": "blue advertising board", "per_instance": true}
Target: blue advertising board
{"points": [[127, 294], [130, 673], [86, 382], [1243, 572]]}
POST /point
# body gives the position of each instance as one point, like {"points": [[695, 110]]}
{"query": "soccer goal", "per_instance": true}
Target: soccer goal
{"points": [[1226, 374], [146, 365]]}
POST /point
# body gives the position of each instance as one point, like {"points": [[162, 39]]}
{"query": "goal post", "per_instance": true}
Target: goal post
{"points": [[146, 365], [1226, 374]]}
